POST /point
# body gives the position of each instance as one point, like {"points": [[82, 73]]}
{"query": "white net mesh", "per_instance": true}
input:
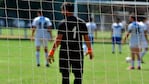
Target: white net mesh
{"points": [[18, 60]]}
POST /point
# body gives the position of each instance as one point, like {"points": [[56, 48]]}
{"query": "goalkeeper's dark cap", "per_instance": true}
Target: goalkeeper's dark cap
{"points": [[68, 6]]}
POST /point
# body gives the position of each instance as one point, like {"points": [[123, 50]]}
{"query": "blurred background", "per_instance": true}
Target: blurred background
{"points": [[16, 15]]}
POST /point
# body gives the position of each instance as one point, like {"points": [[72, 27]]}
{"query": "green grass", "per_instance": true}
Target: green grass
{"points": [[18, 66], [20, 33], [16, 32]]}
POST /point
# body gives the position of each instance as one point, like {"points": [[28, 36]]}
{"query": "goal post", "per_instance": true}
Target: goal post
{"points": [[105, 9]]}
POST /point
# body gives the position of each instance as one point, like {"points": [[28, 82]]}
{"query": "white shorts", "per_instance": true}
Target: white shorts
{"points": [[135, 45], [41, 41]]}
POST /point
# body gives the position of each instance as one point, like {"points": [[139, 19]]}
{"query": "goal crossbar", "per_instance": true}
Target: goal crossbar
{"points": [[112, 2]]}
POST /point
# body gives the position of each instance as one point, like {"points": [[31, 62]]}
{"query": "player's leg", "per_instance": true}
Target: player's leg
{"points": [[45, 44], [37, 44], [138, 57], [38, 55], [78, 72], [133, 51], [119, 44], [133, 47], [120, 48], [65, 77], [64, 66], [46, 55], [144, 51], [78, 77], [92, 39], [77, 68], [113, 44]]}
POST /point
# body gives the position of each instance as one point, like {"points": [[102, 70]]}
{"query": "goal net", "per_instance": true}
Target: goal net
{"points": [[18, 52]]}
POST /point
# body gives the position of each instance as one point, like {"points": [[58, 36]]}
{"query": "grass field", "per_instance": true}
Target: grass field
{"points": [[17, 66], [25, 33]]}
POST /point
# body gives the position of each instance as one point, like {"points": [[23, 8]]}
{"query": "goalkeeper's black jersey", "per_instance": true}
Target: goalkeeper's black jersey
{"points": [[73, 29]]}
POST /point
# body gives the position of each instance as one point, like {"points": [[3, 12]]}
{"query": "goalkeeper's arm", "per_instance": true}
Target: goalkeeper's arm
{"points": [[55, 45], [88, 43]]}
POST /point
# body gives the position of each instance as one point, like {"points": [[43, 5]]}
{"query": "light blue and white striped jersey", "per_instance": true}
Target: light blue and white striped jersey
{"points": [[42, 23], [137, 32], [117, 29]]}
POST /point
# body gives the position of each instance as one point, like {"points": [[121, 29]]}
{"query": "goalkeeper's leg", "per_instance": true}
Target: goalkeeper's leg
{"points": [[78, 78], [65, 77]]}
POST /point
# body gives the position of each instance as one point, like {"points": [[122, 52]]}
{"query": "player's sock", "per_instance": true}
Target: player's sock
{"points": [[38, 57], [132, 63], [139, 63], [120, 48], [46, 55], [113, 48], [143, 53]]}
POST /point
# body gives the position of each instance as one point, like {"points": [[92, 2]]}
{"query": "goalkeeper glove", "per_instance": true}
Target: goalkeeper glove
{"points": [[90, 53], [50, 56]]}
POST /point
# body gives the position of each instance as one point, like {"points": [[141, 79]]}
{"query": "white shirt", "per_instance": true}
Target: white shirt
{"points": [[137, 32], [144, 27], [91, 26], [117, 29], [42, 23]]}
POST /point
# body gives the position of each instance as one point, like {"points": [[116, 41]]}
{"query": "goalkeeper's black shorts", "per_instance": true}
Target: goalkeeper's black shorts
{"points": [[71, 61]]}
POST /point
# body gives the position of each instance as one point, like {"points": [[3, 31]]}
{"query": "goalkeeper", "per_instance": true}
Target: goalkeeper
{"points": [[70, 32]]}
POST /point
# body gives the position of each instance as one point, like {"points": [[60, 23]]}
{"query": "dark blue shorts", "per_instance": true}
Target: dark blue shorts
{"points": [[116, 40]]}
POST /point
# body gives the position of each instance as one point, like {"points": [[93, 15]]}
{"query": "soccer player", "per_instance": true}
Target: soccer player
{"points": [[144, 43], [117, 30], [137, 35], [70, 33], [42, 26], [91, 26]]}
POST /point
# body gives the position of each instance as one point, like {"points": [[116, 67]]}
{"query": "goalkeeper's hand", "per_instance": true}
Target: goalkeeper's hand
{"points": [[50, 57], [90, 53]]}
